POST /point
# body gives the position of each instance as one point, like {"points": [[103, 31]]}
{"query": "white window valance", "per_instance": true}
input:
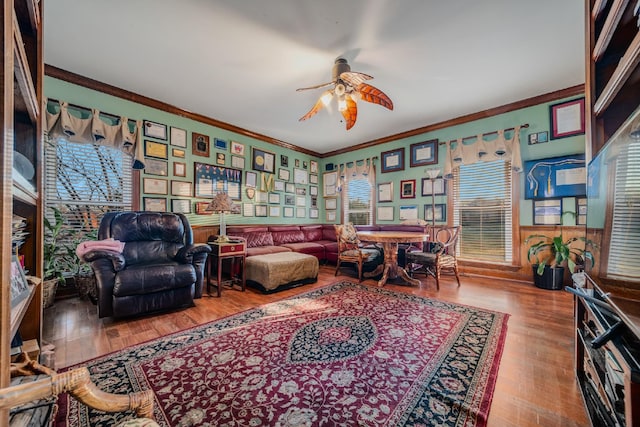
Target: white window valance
{"points": [[93, 129], [467, 151], [359, 169]]}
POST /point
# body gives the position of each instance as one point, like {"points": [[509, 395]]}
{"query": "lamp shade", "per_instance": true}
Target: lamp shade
{"points": [[221, 203]]}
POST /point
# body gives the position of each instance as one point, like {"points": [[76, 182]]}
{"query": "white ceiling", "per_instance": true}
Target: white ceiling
{"points": [[240, 61]]}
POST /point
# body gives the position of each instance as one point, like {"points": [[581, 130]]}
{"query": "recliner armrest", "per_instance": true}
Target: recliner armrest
{"points": [[116, 258], [187, 253]]}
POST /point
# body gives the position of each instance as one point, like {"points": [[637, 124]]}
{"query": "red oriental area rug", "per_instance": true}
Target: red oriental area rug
{"points": [[343, 355]]}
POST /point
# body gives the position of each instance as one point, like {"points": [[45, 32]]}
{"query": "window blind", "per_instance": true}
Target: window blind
{"points": [[625, 226], [356, 199], [483, 209]]}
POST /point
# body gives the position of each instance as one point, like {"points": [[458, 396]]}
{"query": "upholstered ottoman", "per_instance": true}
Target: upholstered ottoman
{"points": [[275, 272]]}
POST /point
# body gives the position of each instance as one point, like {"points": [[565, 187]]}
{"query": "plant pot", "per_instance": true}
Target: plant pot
{"points": [[552, 277], [49, 288]]}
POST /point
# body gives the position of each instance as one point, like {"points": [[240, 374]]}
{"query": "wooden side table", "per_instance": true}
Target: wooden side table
{"points": [[234, 250]]}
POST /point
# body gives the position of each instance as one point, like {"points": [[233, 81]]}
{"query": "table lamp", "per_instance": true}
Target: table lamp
{"points": [[221, 204]]}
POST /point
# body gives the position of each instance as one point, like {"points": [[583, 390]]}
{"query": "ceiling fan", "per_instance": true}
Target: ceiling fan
{"points": [[348, 86]]}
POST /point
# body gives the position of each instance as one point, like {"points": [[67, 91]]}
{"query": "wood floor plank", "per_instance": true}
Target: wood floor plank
{"points": [[536, 384]]}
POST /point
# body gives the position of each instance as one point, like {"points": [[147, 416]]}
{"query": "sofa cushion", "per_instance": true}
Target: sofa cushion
{"points": [[310, 248], [312, 232], [286, 234], [329, 232], [258, 238]]}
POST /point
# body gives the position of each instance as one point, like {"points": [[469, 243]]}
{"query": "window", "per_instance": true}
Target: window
{"points": [[625, 227], [84, 181], [483, 207], [356, 196]]}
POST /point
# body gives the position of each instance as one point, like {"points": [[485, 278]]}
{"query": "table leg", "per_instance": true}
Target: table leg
{"points": [[219, 274], [391, 268]]}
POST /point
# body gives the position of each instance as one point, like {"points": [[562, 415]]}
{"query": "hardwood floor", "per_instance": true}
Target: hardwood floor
{"points": [[536, 385]]}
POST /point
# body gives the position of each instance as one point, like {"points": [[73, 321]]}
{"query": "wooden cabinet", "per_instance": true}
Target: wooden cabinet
{"points": [[20, 166]]}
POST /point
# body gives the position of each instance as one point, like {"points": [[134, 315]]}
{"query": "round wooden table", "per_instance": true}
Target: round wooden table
{"points": [[389, 240]]}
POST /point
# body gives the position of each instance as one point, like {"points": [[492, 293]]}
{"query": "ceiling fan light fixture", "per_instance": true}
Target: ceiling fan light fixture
{"points": [[326, 97]]}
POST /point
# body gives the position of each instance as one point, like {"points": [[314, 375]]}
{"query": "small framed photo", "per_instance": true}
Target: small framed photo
{"points": [[313, 168], [301, 212], [221, 159], [385, 213], [200, 144], [567, 118], [290, 187], [278, 185], [287, 212], [251, 179], [301, 191], [313, 190], [385, 192], [176, 152], [289, 199], [424, 153], [331, 216], [261, 197], [408, 189], [284, 161], [274, 211], [441, 212], [155, 186], [19, 285], [547, 212], [581, 209], [284, 174], [156, 167], [263, 161], [178, 137], [220, 144], [314, 213], [408, 212], [331, 203], [154, 204], [313, 178], [202, 208], [181, 188], [156, 149], [237, 148], [179, 169], [181, 206], [314, 201], [301, 201], [274, 198], [154, 130], [433, 187], [329, 182], [538, 137], [297, 163], [261, 210], [393, 160], [248, 209], [300, 176]]}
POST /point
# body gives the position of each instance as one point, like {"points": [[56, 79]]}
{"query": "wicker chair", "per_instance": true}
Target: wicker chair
{"points": [[350, 250], [437, 255]]}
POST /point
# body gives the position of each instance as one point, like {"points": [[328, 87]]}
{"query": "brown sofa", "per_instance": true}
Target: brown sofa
{"points": [[318, 240]]}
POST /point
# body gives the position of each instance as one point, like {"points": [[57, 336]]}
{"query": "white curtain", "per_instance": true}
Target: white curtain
{"points": [[359, 169], [467, 151], [94, 130]]}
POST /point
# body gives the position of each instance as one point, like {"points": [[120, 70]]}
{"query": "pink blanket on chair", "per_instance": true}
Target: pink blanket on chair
{"points": [[99, 245]]}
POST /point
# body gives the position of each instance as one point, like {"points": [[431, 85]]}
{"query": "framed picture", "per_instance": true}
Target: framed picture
{"points": [[538, 137], [567, 118], [181, 188], [385, 192], [330, 203], [284, 161], [248, 209], [200, 144], [287, 212], [274, 211], [300, 176], [329, 183], [210, 180], [156, 167], [202, 208], [547, 212], [301, 212], [289, 199], [155, 186], [156, 149], [435, 187], [154, 130], [176, 152], [220, 159], [297, 163], [220, 144], [154, 204], [301, 201], [237, 148], [251, 179], [393, 160], [261, 197], [313, 168], [314, 201], [261, 210], [290, 187], [385, 213], [424, 153], [301, 191], [181, 206], [179, 169], [313, 179], [408, 212], [278, 185], [564, 176], [313, 190], [441, 212], [284, 174], [274, 198], [178, 137], [263, 161], [331, 216], [314, 213], [19, 285], [408, 189], [581, 210]]}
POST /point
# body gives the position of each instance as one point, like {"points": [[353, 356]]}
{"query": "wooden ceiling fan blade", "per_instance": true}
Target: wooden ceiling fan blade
{"points": [[354, 78], [317, 107], [374, 95], [350, 113], [315, 87]]}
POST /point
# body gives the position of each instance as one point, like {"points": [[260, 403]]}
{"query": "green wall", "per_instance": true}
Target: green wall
{"points": [[537, 117]]}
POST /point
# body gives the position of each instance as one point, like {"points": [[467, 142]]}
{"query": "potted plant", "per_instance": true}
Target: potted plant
{"points": [[83, 276], [55, 257], [550, 254]]}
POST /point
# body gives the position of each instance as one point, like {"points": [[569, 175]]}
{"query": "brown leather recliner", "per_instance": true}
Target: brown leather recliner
{"points": [[160, 267]]}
